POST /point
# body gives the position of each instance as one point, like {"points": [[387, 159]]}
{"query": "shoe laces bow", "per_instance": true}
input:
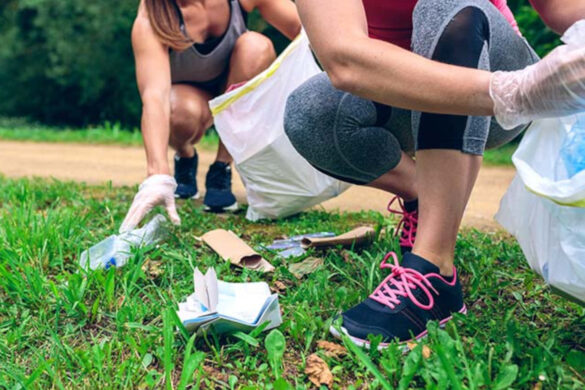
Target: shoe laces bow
{"points": [[400, 283]]}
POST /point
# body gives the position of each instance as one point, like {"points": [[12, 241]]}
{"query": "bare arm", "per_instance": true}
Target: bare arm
{"points": [[282, 14], [559, 15], [153, 75], [384, 72]]}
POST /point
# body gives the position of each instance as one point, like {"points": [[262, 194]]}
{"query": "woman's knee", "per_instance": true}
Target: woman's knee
{"points": [[311, 105], [189, 119], [255, 50], [446, 30]]}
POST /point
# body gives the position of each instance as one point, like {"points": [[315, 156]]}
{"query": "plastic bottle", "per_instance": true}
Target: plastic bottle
{"points": [[573, 150], [115, 250]]}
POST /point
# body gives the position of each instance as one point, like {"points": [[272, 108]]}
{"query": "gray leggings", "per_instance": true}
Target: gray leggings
{"points": [[357, 140]]}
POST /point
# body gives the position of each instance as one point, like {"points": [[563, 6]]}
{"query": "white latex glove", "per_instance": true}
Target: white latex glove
{"points": [[553, 87], [155, 190]]}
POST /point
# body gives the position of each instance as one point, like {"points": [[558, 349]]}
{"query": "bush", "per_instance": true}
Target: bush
{"points": [[70, 62]]}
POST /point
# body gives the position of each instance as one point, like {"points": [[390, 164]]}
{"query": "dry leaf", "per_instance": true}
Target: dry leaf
{"points": [[426, 351], [152, 268], [332, 349], [305, 267], [278, 286], [318, 371], [537, 386]]}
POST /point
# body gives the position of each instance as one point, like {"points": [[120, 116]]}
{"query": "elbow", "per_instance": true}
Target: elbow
{"points": [[154, 98], [341, 77], [557, 18], [341, 68]]}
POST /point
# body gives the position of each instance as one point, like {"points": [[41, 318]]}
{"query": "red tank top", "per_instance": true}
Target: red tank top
{"points": [[391, 20]]}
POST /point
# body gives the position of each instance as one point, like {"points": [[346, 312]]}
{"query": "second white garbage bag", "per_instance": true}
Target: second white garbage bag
{"points": [[279, 181], [544, 208]]}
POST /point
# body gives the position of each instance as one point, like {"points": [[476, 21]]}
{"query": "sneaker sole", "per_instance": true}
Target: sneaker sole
{"points": [[365, 343], [231, 208], [196, 196]]}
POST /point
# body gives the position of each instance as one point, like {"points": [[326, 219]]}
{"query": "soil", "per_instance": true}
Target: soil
{"points": [[97, 164]]}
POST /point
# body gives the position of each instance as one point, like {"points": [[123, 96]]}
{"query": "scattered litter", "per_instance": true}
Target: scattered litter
{"points": [[227, 306], [331, 349], [231, 248], [305, 267], [115, 250], [318, 371], [357, 236], [295, 241], [291, 247], [572, 151]]}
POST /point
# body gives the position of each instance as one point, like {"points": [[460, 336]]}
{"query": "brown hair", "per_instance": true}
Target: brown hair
{"points": [[164, 19]]}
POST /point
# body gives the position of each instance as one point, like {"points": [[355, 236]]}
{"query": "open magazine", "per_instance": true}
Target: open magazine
{"points": [[227, 306]]}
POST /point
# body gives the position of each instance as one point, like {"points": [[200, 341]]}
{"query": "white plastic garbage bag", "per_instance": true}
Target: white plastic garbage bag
{"points": [[544, 208], [279, 182]]}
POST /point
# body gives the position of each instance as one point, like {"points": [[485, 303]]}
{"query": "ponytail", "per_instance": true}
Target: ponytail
{"points": [[164, 19]]}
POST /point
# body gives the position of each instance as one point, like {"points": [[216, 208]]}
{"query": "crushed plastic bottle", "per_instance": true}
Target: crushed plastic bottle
{"points": [[115, 250], [573, 149]]}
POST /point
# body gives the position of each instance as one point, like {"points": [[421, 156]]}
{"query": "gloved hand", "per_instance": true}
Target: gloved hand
{"points": [[553, 87], [155, 190]]}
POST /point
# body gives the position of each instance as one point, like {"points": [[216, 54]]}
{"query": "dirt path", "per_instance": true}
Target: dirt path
{"points": [[96, 164]]}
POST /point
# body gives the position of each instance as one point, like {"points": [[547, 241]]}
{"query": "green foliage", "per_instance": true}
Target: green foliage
{"points": [[70, 62], [542, 39]]}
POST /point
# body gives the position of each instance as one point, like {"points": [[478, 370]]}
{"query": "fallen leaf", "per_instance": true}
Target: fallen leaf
{"points": [[332, 349], [278, 286], [426, 351], [152, 268], [213, 372], [346, 256], [305, 267], [537, 386], [318, 371]]}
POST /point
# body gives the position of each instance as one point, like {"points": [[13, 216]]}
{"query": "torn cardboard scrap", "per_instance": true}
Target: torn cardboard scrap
{"points": [[357, 236], [228, 307], [231, 248]]}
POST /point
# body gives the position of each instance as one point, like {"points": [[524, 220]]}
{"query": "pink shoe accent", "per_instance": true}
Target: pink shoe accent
{"points": [[407, 225], [400, 283]]}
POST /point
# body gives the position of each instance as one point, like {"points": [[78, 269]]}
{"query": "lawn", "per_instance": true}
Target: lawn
{"points": [[63, 328]]}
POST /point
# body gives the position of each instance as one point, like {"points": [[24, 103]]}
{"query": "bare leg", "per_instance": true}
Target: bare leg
{"points": [[400, 180], [444, 180], [252, 54], [190, 117]]}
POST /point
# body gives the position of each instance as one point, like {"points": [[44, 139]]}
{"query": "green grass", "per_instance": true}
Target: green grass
{"points": [[107, 134], [62, 328], [20, 130]]}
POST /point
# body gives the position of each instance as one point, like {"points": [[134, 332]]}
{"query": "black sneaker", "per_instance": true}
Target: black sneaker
{"points": [[185, 175], [400, 307], [219, 196]]}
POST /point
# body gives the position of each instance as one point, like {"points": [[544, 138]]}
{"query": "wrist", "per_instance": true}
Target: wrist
{"points": [[157, 168]]}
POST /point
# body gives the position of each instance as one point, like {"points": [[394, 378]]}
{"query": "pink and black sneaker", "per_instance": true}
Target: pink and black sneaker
{"points": [[413, 294], [408, 222]]}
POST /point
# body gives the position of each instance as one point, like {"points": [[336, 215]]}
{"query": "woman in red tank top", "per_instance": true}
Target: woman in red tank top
{"points": [[433, 57]]}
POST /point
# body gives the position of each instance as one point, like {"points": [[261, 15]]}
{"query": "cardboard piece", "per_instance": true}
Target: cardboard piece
{"points": [[231, 248], [357, 236], [228, 307]]}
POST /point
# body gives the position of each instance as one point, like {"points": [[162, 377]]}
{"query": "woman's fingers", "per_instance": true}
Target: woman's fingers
{"points": [[172, 211]]}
